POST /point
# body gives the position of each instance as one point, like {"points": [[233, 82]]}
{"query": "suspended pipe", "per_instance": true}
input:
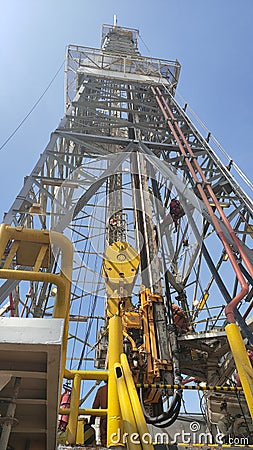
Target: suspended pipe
{"points": [[172, 328], [145, 250]]}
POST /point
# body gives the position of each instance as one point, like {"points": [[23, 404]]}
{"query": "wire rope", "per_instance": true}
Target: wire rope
{"points": [[33, 107], [80, 306]]}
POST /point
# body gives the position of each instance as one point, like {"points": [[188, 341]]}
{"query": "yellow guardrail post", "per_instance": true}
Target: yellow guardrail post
{"points": [[115, 348], [74, 407], [62, 303], [44, 238], [33, 247], [129, 422], [242, 362], [135, 402]]}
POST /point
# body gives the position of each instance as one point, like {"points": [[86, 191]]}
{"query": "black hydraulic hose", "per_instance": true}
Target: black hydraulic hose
{"points": [[172, 419], [167, 416]]}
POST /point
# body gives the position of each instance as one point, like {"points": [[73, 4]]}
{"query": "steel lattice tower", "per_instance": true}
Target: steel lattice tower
{"points": [[124, 149]]}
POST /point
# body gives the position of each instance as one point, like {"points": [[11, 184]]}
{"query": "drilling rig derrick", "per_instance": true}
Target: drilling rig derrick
{"points": [[129, 246]]}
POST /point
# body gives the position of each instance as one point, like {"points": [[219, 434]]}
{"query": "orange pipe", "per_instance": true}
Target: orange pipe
{"points": [[232, 305], [229, 310], [12, 309], [25, 304], [212, 194]]}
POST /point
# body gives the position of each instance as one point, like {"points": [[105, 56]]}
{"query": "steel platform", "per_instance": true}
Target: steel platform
{"points": [[30, 353]]}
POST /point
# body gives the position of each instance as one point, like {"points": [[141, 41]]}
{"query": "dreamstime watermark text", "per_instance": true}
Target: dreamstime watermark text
{"points": [[193, 435]]}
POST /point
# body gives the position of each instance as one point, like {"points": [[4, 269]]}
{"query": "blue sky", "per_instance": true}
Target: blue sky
{"points": [[212, 39]]}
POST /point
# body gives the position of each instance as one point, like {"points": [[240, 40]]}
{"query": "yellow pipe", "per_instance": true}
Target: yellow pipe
{"points": [[129, 423], [10, 256], [25, 234], [3, 239], [62, 310], [66, 247], [242, 362], [144, 306], [74, 406], [43, 237], [63, 294], [115, 348], [85, 411], [131, 340], [137, 409], [86, 374], [34, 276], [62, 304], [62, 281]]}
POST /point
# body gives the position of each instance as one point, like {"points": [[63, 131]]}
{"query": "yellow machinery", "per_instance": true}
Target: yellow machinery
{"points": [[120, 267], [124, 152], [136, 325], [32, 248]]}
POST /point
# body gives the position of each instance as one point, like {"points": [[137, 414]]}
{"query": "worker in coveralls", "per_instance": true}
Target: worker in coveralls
{"points": [[176, 212], [101, 401], [180, 320]]}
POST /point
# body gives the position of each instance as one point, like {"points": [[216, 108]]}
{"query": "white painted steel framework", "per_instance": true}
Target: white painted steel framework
{"points": [[118, 145]]}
